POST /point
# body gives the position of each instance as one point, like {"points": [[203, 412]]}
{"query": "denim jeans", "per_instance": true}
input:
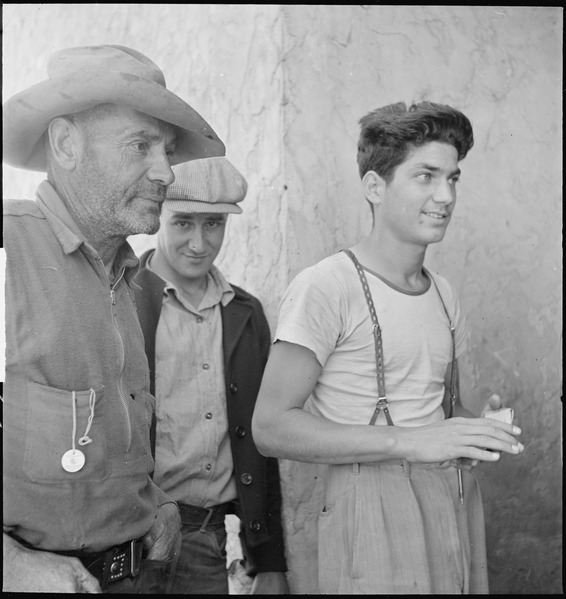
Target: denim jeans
{"points": [[201, 566]]}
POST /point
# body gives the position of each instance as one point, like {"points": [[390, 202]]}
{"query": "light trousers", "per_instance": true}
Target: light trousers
{"points": [[400, 528]]}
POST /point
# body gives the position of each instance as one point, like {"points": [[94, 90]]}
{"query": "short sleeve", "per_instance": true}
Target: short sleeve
{"points": [[311, 313]]}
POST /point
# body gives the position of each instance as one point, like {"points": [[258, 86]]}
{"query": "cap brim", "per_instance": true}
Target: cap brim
{"points": [[190, 206]]}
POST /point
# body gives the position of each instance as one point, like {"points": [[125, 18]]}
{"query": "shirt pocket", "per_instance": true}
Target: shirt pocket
{"points": [[137, 460], [49, 434]]}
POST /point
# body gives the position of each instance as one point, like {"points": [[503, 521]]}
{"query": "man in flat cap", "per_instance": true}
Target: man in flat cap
{"points": [[207, 343], [81, 512]]}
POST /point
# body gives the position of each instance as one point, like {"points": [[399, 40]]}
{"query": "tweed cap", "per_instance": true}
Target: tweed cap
{"points": [[206, 185]]}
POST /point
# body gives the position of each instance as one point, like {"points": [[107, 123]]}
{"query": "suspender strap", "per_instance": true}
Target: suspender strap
{"points": [[382, 402], [453, 389]]}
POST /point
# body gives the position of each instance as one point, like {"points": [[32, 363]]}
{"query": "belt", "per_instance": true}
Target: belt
{"points": [[201, 517], [113, 564]]}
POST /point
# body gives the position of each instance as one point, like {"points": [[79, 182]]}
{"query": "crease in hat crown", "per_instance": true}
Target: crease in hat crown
{"points": [[82, 77], [208, 185], [110, 57]]}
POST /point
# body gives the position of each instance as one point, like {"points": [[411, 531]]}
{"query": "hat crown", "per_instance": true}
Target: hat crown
{"points": [[106, 58]]}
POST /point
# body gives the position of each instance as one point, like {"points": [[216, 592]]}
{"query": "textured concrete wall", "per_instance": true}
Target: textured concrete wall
{"points": [[284, 86]]}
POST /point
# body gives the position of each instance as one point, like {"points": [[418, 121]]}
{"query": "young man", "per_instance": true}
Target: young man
{"points": [[376, 347], [207, 343], [79, 503]]}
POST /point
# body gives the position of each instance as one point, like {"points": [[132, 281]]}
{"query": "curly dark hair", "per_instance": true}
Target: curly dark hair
{"points": [[389, 133]]}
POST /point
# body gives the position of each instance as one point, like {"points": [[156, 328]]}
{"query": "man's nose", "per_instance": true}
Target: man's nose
{"points": [[196, 239], [160, 169], [444, 193]]}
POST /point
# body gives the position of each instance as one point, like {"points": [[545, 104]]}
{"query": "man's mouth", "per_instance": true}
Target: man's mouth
{"points": [[193, 257], [436, 215]]}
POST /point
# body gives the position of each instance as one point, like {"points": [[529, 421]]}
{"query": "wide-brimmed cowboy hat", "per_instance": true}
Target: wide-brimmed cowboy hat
{"points": [[83, 77]]}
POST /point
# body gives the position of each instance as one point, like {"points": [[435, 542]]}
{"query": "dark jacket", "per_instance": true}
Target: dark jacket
{"points": [[246, 340]]}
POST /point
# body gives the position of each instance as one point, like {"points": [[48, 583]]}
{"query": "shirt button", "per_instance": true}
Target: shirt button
{"points": [[205, 366], [199, 319], [255, 525], [233, 388], [246, 478], [240, 431], [208, 466], [208, 415]]}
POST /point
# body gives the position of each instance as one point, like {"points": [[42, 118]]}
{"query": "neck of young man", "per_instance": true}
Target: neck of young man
{"points": [[193, 290], [399, 262]]}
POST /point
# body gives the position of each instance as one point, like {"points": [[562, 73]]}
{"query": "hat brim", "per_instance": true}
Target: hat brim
{"points": [[27, 114]]}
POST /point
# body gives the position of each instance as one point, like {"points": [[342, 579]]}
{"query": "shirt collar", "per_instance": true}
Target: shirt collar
{"points": [[218, 290], [68, 233]]}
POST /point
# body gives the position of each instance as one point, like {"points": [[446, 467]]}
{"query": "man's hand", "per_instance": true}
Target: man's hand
{"points": [[477, 439], [162, 539], [30, 571], [270, 583], [493, 404]]}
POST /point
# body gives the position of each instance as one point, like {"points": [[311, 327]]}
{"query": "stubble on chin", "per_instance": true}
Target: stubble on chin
{"points": [[146, 223]]}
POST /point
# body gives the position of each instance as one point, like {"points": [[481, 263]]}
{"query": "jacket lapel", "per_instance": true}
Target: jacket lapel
{"points": [[234, 319]]}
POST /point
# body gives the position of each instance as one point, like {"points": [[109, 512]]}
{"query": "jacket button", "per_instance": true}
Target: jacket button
{"points": [[240, 431], [246, 478], [255, 525], [233, 388]]}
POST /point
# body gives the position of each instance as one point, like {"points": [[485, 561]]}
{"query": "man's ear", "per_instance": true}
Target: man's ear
{"points": [[373, 186], [64, 143]]}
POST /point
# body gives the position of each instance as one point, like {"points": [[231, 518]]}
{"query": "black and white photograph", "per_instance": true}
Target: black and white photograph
{"points": [[282, 293]]}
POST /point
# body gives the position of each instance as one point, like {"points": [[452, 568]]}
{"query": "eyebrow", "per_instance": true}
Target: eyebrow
{"points": [[146, 135], [435, 169]]}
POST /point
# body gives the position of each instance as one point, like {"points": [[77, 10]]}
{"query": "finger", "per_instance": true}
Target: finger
{"points": [[159, 551], [487, 426], [495, 402], [499, 425], [148, 541], [478, 454], [497, 442]]}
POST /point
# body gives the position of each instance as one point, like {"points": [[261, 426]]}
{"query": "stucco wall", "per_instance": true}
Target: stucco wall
{"points": [[284, 86]]}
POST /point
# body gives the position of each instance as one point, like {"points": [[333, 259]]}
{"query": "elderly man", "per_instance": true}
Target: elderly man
{"points": [[207, 344], [81, 512]]}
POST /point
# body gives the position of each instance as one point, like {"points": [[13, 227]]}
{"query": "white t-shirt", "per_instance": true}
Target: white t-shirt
{"points": [[324, 309]]}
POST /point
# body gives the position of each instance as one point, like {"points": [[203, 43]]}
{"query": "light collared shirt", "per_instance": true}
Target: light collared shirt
{"points": [[75, 362], [193, 459]]}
